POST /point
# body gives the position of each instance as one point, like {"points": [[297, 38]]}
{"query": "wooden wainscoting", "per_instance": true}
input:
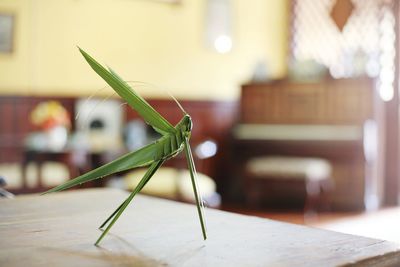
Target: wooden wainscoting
{"points": [[15, 122], [212, 120]]}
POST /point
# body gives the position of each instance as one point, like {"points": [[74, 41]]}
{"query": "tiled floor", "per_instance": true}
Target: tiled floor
{"points": [[383, 224]]}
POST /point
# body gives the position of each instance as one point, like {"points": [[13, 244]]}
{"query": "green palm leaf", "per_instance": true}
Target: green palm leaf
{"points": [[151, 116]]}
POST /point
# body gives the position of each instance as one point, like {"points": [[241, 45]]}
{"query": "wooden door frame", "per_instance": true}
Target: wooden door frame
{"points": [[392, 124]]}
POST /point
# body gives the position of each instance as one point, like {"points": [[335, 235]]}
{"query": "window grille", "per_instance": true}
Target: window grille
{"points": [[350, 37]]}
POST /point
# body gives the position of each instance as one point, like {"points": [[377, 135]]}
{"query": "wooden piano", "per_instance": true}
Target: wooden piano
{"points": [[333, 119]]}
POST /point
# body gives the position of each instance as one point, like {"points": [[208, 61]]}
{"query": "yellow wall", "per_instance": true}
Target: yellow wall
{"points": [[142, 40]]}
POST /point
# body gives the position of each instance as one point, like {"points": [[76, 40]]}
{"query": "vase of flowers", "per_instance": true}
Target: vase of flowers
{"points": [[54, 122]]}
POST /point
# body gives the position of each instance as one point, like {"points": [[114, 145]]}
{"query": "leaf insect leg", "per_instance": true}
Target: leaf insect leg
{"points": [[193, 176], [152, 169], [122, 204]]}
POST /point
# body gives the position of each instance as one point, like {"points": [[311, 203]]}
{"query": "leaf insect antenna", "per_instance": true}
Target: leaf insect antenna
{"points": [[177, 102], [169, 94], [88, 99], [98, 104]]}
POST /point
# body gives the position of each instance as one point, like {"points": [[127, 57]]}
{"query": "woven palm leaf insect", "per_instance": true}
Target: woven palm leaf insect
{"points": [[173, 141]]}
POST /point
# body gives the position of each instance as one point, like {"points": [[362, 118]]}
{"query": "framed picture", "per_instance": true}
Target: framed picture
{"points": [[6, 32], [168, 1]]}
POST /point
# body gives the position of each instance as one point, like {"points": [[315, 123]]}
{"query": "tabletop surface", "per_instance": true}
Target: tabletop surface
{"points": [[59, 230]]}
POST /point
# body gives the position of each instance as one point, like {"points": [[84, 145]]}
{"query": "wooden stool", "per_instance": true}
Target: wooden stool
{"points": [[313, 173]]}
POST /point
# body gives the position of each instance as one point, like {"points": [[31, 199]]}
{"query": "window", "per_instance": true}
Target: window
{"points": [[350, 37]]}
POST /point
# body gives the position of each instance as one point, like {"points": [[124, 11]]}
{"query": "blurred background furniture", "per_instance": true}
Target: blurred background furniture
{"points": [[175, 184], [20, 164], [3, 192], [271, 176], [39, 158], [325, 120]]}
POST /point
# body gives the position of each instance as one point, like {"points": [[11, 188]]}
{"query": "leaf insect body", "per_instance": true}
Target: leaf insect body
{"points": [[173, 141]]}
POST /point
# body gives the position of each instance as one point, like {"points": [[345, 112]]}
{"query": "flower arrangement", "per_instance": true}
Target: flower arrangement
{"points": [[50, 114]]}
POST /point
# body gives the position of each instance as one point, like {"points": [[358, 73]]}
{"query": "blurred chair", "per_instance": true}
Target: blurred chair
{"points": [[314, 174], [172, 183], [43, 159], [33, 177]]}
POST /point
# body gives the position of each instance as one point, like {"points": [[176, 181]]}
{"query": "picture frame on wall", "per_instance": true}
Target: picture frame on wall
{"points": [[7, 21], [168, 1]]}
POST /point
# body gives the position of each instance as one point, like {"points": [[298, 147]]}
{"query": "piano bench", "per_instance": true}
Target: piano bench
{"points": [[314, 174]]}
